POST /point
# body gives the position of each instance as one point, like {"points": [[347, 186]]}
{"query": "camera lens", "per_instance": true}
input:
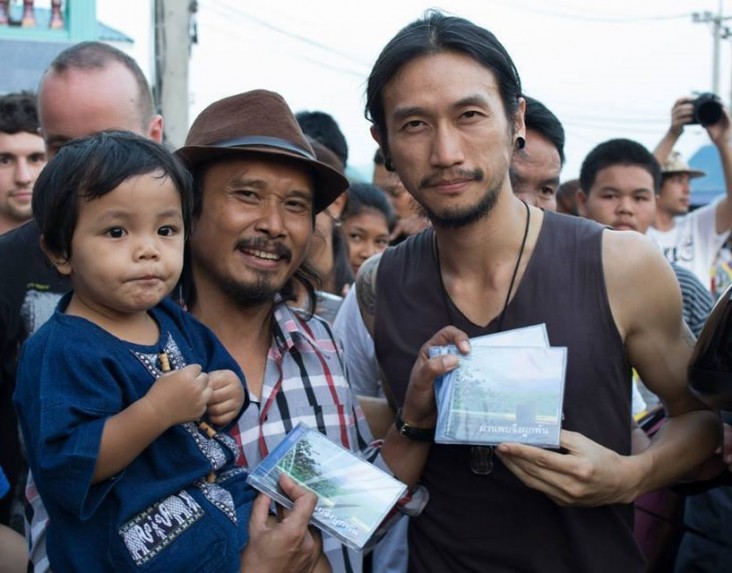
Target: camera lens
{"points": [[707, 109]]}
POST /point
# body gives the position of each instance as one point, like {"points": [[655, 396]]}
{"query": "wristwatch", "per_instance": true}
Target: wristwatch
{"points": [[412, 432]]}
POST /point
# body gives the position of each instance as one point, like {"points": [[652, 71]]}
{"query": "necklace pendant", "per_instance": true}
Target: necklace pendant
{"points": [[481, 460]]}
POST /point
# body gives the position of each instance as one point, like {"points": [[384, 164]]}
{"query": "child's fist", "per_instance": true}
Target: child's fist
{"points": [[227, 396], [182, 395]]}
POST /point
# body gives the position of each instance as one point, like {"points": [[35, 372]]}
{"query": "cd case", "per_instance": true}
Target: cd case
{"points": [[354, 496], [502, 393]]}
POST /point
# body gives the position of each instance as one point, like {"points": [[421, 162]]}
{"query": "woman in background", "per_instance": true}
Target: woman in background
{"points": [[367, 221]]}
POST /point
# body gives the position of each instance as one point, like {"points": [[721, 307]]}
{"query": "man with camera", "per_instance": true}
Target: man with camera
{"points": [[693, 239]]}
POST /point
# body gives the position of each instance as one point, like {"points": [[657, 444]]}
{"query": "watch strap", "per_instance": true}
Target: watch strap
{"points": [[412, 432]]}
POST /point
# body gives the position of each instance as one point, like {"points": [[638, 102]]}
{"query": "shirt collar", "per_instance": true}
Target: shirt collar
{"points": [[289, 328]]}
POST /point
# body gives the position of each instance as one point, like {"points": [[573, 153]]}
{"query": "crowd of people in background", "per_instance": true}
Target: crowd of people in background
{"points": [[244, 279]]}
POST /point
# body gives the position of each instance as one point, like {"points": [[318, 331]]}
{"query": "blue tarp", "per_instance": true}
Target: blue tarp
{"points": [[704, 189]]}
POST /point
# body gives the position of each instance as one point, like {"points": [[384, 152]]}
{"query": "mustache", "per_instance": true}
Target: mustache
{"points": [[263, 244], [456, 173]]}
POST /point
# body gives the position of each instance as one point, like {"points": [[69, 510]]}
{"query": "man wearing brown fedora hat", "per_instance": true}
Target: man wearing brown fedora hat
{"points": [[258, 186], [692, 239]]}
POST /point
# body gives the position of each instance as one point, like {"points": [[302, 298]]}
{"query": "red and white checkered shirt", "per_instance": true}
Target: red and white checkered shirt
{"points": [[304, 381]]}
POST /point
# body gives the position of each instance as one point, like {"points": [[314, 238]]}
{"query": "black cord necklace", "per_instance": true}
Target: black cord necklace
{"points": [[481, 457], [501, 316], [516, 268]]}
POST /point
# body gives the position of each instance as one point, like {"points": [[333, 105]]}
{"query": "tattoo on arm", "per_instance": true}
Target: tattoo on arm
{"points": [[366, 286]]}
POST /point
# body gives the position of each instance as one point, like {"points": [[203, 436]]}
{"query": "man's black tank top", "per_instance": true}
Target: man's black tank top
{"points": [[495, 523]]}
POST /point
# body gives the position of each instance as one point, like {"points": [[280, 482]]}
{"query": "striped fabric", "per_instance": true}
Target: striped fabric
{"points": [[698, 302]]}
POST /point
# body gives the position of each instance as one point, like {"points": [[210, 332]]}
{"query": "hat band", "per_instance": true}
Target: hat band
{"points": [[253, 140]]}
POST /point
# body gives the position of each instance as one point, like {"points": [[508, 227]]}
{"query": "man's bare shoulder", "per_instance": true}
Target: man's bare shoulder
{"points": [[629, 250], [640, 282]]}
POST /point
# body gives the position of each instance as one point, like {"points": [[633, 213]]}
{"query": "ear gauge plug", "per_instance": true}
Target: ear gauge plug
{"points": [[520, 142]]}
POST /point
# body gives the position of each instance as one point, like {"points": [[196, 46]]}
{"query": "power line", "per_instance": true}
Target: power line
{"points": [[719, 32], [584, 17], [602, 120], [238, 13]]}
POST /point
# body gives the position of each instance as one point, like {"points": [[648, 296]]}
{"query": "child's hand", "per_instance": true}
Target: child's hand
{"points": [[182, 395], [227, 397]]}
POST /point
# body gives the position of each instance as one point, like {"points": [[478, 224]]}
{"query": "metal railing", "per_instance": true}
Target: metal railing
{"points": [[28, 17]]}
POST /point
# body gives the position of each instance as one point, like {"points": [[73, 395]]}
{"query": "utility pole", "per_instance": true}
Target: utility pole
{"points": [[725, 35], [719, 32], [172, 54]]}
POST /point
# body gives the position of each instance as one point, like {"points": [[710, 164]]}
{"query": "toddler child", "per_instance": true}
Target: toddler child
{"points": [[112, 391]]}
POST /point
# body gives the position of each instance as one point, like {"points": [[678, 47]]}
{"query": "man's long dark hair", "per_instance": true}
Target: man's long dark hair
{"points": [[433, 34]]}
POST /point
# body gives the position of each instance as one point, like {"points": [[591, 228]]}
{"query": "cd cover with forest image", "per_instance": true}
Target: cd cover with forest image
{"points": [[502, 394], [354, 496]]}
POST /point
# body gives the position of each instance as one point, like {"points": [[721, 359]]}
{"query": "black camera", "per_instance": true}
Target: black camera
{"points": [[707, 109]]}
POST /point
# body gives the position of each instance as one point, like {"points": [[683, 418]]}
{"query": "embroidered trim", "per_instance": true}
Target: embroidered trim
{"points": [[219, 497], [228, 474], [174, 354], [151, 531], [210, 448], [228, 442], [151, 360]]}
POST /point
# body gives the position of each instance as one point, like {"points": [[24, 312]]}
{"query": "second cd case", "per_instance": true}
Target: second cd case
{"points": [[502, 394], [354, 496]]}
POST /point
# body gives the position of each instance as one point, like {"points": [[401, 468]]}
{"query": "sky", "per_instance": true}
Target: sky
{"points": [[605, 68]]}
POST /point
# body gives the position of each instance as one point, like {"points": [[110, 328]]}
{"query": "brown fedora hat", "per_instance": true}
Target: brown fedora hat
{"points": [[258, 122]]}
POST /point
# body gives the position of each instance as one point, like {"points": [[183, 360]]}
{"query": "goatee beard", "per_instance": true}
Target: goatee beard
{"points": [[250, 295], [261, 289], [458, 218]]}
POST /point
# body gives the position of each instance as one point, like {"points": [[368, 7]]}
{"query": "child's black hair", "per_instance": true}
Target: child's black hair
{"points": [[90, 167]]}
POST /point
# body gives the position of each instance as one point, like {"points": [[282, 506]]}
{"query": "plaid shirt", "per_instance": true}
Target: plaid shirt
{"points": [[305, 381]]}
